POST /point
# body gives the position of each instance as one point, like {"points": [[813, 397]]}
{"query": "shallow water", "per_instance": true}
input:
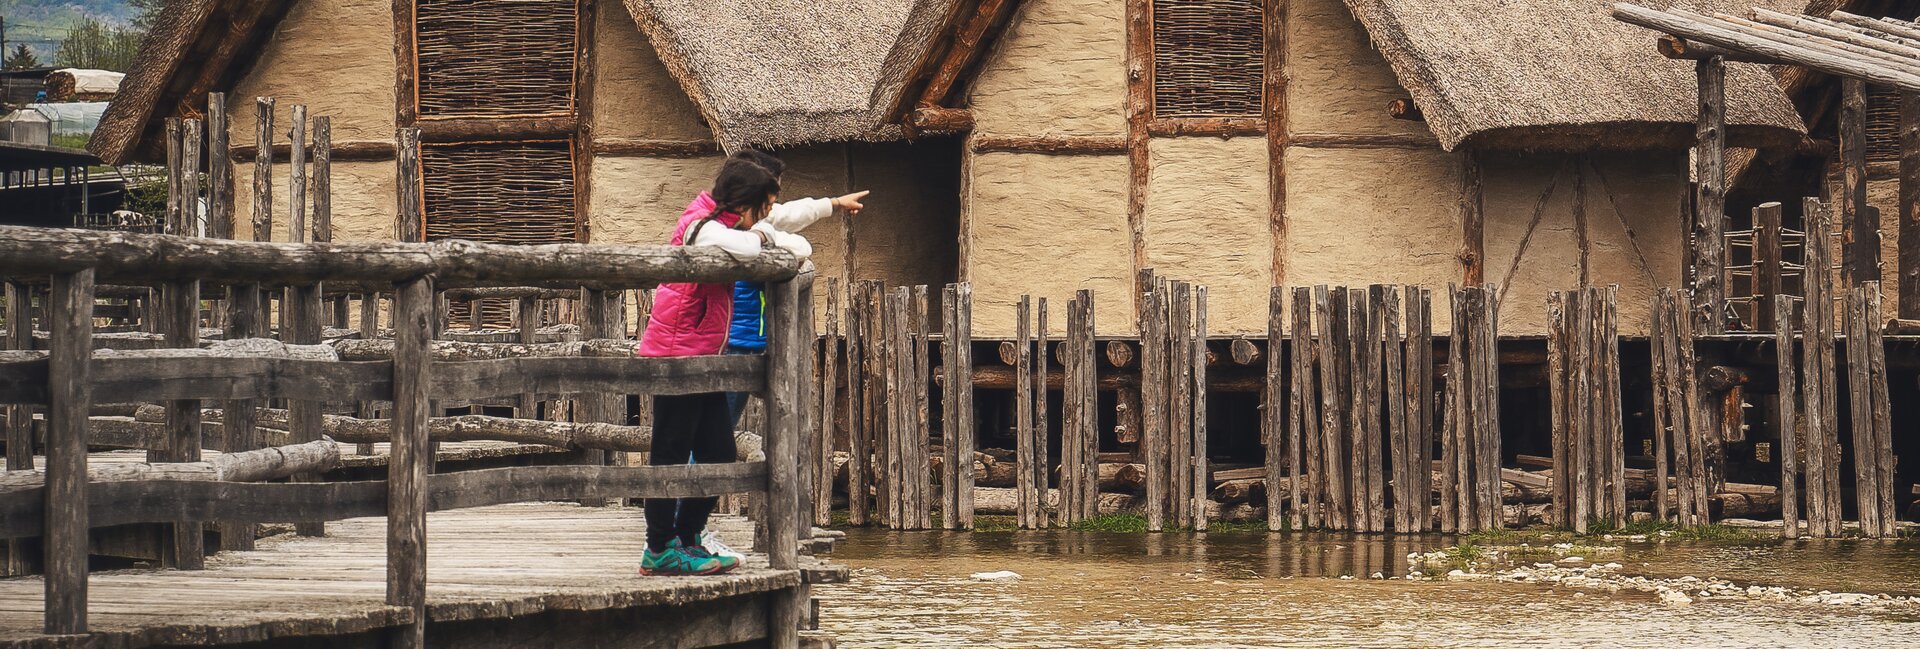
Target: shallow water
{"points": [[1258, 590]]}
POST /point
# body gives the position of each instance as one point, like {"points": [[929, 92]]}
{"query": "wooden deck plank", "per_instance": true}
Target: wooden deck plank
{"points": [[507, 560]]}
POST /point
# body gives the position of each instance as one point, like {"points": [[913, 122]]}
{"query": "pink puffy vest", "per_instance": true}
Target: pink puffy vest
{"points": [[690, 319]]}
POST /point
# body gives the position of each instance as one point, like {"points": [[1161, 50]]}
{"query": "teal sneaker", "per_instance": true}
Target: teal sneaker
{"points": [[677, 561], [727, 561]]}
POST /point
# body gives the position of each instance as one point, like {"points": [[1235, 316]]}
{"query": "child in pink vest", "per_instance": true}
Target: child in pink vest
{"points": [[692, 320]]}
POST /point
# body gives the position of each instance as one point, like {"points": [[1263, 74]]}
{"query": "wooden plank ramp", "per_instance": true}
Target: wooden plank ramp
{"points": [[484, 563]]}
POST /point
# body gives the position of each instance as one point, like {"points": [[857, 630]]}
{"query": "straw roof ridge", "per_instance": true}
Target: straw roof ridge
{"points": [[1562, 68], [781, 73]]}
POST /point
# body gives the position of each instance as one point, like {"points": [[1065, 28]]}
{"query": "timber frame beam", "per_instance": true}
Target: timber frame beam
{"points": [[969, 29]]}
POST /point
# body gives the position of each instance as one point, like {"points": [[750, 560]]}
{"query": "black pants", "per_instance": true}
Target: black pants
{"points": [[690, 428]]}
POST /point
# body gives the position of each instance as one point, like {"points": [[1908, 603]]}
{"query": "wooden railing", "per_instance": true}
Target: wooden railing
{"points": [[68, 378]]}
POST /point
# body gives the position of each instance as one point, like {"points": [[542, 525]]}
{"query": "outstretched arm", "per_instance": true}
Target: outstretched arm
{"points": [[797, 215]]}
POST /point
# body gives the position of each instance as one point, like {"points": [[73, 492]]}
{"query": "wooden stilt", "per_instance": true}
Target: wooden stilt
{"points": [[922, 427], [1273, 421], [859, 419], [963, 426], [1302, 393], [1030, 492], [1420, 398], [1330, 309], [1819, 389], [1153, 399], [1558, 396], [1180, 463], [1042, 462], [1200, 473], [1786, 366], [1088, 392], [1453, 497], [1399, 451]]}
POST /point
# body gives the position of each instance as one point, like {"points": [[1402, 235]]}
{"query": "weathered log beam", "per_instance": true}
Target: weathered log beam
{"points": [[1048, 144], [1363, 141], [343, 151], [1215, 126], [1712, 31], [354, 349], [248, 466], [936, 119], [1675, 47], [491, 130], [653, 148], [478, 428], [145, 258]]}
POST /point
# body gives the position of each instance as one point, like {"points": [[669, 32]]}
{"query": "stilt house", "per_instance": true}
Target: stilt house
{"points": [[1026, 146]]}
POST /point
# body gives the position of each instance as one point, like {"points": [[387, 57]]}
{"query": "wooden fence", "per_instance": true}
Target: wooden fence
{"points": [[70, 376]]}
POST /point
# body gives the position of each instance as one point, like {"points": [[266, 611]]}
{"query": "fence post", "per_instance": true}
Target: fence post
{"points": [[408, 459], [786, 352], [69, 398], [180, 313], [410, 455]]}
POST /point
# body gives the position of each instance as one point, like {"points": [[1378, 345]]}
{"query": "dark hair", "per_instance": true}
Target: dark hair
{"points": [[764, 159], [743, 185]]}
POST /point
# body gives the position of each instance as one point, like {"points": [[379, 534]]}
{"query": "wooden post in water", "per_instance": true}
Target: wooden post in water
{"points": [[1616, 452], [1329, 307], [1153, 399], [69, 317], [1789, 417], [1302, 392], [1088, 392], [1420, 391], [960, 441], [1071, 510], [859, 419], [1200, 473], [893, 316], [1817, 367], [1558, 404], [1451, 457], [1180, 459], [1028, 492], [1399, 452], [1881, 413], [820, 470], [1042, 461], [922, 427], [1273, 420]]}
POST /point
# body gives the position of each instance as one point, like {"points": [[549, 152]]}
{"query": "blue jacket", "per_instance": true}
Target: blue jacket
{"points": [[748, 331]]}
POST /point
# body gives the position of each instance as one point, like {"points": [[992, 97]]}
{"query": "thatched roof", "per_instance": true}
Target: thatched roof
{"points": [[192, 42], [764, 73], [1562, 74], [785, 73]]}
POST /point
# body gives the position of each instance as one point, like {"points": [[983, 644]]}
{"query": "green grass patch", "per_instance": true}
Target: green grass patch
{"points": [[1122, 523]]}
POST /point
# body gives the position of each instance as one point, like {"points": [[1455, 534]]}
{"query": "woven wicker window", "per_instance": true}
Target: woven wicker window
{"points": [[1207, 58], [1883, 124], [495, 58], [498, 192]]}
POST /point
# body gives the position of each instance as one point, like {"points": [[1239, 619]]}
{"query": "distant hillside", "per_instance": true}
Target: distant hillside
{"points": [[41, 24]]}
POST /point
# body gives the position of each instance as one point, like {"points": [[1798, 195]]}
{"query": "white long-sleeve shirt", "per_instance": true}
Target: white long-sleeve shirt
{"points": [[780, 226]]}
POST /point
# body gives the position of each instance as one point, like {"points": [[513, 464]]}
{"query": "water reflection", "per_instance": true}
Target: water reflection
{"points": [[1257, 590]]}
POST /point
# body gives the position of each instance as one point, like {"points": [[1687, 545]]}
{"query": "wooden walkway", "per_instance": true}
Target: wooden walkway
{"points": [[485, 563]]}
